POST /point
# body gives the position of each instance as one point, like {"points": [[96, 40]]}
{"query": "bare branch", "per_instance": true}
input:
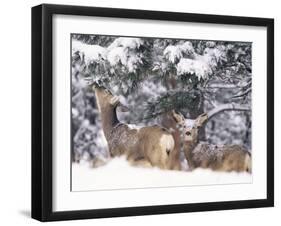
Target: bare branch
{"points": [[222, 86], [228, 86], [227, 107], [242, 94]]}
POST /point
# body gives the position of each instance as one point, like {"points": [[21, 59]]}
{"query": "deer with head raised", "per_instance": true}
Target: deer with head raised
{"points": [[204, 155], [147, 146]]}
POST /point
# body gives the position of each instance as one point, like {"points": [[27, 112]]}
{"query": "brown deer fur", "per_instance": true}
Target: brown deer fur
{"points": [[147, 146], [169, 123]]}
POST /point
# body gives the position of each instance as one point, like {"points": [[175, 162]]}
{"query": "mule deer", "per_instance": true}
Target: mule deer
{"points": [[147, 146], [204, 155]]}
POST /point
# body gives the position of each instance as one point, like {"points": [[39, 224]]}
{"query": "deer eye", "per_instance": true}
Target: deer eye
{"points": [[188, 133]]}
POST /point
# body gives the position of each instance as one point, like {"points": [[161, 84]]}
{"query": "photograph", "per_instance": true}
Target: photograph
{"points": [[156, 112]]}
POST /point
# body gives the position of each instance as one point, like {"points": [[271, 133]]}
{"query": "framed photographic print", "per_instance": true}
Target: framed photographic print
{"points": [[146, 112]]}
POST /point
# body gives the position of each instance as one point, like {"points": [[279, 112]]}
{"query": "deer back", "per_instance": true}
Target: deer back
{"points": [[151, 144], [220, 157]]}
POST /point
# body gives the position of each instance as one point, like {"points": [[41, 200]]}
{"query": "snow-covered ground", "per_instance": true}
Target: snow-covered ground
{"points": [[118, 174]]}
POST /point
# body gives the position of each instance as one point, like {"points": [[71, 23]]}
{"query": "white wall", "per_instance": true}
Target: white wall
{"points": [[15, 110]]}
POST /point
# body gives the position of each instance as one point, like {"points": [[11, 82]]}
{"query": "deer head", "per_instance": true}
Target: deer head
{"points": [[104, 97], [189, 127]]}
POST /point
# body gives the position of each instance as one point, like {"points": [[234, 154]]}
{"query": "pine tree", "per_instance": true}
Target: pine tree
{"points": [[155, 76]]}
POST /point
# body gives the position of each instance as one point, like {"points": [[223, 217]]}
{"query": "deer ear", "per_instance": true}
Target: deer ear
{"points": [[201, 119], [114, 101], [177, 117]]}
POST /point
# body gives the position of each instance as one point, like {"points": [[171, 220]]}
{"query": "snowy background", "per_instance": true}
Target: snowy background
{"points": [[153, 76]]}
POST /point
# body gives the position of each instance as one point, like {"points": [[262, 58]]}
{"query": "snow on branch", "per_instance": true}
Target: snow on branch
{"points": [[188, 62], [229, 86], [121, 51], [89, 53], [222, 86], [189, 66], [176, 52], [227, 107]]}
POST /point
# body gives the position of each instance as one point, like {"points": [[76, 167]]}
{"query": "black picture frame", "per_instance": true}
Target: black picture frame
{"points": [[42, 107]]}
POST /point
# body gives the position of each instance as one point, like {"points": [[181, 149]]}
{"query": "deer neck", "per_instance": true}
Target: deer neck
{"points": [[108, 119], [108, 116], [188, 149]]}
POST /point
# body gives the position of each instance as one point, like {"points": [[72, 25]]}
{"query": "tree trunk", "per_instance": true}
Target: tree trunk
{"points": [[195, 111]]}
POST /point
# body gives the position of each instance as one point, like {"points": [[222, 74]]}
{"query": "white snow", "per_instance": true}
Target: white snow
{"points": [[172, 53], [133, 60], [118, 174], [192, 63], [126, 42], [91, 52], [187, 47], [120, 51], [214, 55], [198, 67], [74, 112], [134, 126], [151, 89], [117, 55], [189, 123], [101, 140]]}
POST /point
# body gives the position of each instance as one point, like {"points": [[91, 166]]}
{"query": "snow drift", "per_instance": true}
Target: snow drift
{"points": [[118, 174]]}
